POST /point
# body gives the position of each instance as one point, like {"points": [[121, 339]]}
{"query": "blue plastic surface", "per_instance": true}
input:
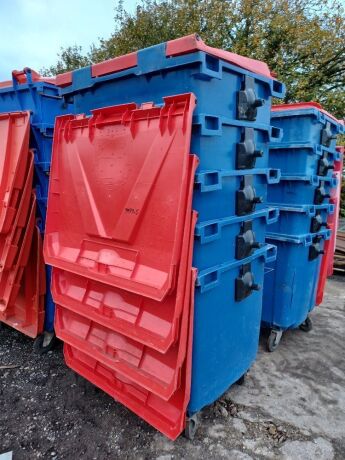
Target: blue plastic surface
{"points": [[300, 219], [49, 304], [215, 240], [290, 281], [213, 81], [41, 141], [45, 104], [305, 125], [293, 190], [216, 148], [215, 190], [41, 180], [41, 98], [41, 213], [226, 332], [300, 159]]}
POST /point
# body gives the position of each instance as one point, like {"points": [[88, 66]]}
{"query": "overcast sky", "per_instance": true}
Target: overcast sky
{"points": [[32, 31]]}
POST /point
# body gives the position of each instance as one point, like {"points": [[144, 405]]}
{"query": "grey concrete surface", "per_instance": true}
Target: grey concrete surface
{"points": [[292, 405]]}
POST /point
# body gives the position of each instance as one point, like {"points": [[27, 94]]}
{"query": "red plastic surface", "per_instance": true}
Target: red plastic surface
{"points": [[10, 279], [193, 42], [333, 219], [21, 76], [14, 147], [188, 44], [144, 320], [114, 65], [5, 84], [166, 416], [327, 262], [156, 372], [134, 162], [64, 79], [9, 243], [26, 314], [301, 106], [159, 373]]}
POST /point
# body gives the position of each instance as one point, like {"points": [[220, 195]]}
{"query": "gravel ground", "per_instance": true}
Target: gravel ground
{"points": [[292, 405]]}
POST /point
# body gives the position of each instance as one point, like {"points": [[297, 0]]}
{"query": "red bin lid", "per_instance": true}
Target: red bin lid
{"points": [[118, 192], [14, 147], [169, 417]]}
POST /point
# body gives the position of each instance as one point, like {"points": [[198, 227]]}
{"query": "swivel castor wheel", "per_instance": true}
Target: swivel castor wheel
{"points": [[274, 340], [44, 342], [192, 425], [307, 325]]}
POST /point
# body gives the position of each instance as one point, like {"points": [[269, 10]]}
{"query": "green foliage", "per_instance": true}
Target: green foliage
{"points": [[303, 41], [69, 58]]}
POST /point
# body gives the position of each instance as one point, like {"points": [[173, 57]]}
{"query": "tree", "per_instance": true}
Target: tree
{"points": [[303, 41], [69, 58]]}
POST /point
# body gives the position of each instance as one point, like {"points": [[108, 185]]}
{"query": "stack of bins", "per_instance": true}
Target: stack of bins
{"points": [[40, 96], [306, 159], [332, 222], [22, 281], [230, 132]]}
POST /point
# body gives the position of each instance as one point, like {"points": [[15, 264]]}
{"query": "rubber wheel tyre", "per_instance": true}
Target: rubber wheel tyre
{"points": [[307, 325], [41, 349], [192, 425], [272, 341]]}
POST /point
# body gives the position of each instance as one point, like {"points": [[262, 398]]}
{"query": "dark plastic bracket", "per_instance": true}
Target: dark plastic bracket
{"points": [[317, 223], [324, 166], [247, 102], [246, 152], [315, 249], [245, 241], [320, 194], [244, 284], [246, 198], [326, 135]]}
